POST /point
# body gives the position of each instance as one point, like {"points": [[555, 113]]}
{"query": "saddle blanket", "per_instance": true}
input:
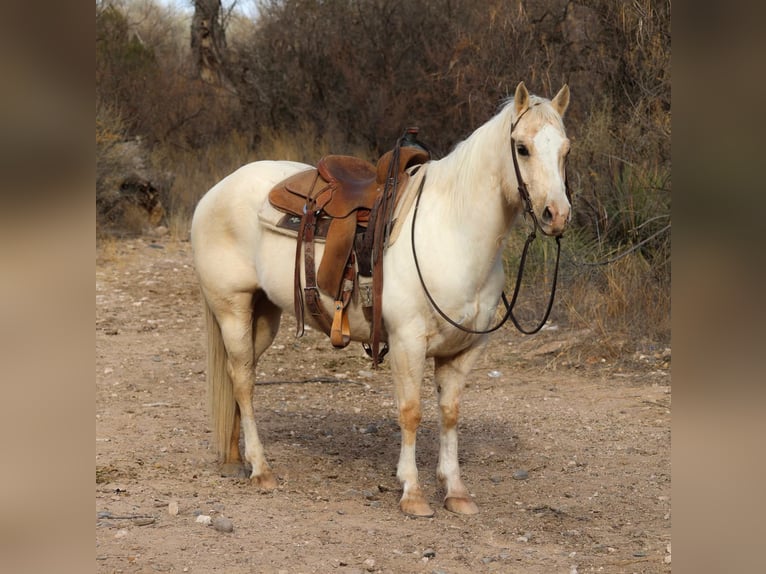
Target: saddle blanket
{"points": [[286, 224]]}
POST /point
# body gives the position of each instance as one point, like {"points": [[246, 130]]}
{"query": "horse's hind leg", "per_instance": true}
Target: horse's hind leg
{"points": [[232, 465], [248, 330], [449, 376]]}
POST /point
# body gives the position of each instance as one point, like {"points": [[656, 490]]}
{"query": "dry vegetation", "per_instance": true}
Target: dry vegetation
{"points": [[288, 87]]}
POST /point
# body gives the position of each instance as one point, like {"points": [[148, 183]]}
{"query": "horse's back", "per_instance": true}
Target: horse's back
{"points": [[225, 223], [245, 188]]}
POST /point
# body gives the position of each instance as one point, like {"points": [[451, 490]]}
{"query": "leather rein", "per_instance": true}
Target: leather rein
{"points": [[524, 193]]}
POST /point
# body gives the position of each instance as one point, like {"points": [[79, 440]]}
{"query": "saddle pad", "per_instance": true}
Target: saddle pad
{"points": [[289, 225], [405, 198]]}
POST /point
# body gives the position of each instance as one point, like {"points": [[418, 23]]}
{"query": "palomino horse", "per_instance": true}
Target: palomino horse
{"points": [[467, 205]]}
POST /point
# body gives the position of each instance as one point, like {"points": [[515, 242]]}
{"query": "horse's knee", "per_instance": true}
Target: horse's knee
{"points": [[449, 414], [410, 416]]}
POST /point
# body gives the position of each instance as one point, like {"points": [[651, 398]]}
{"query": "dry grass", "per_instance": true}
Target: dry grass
{"points": [[622, 304], [108, 249]]}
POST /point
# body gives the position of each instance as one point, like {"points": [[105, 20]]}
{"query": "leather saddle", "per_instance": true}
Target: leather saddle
{"points": [[358, 199]]}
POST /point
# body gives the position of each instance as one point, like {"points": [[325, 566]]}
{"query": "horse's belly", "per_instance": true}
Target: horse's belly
{"points": [[275, 266]]}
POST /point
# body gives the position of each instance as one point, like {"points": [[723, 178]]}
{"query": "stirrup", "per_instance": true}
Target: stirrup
{"points": [[340, 333]]}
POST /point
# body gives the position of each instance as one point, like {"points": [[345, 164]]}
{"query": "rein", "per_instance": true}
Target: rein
{"points": [[524, 193]]}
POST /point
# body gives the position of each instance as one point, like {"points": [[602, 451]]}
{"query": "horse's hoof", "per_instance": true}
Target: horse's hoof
{"points": [[265, 481], [460, 505], [416, 507], [233, 470]]}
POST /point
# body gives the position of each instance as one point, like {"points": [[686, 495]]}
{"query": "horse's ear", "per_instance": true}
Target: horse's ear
{"points": [[521, 99], [561, 102]]}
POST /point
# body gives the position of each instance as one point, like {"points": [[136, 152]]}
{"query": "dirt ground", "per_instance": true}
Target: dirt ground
{"points": [[593, 436]]}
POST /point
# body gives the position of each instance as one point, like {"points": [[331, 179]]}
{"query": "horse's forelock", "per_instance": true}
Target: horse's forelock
{"points": [[540, 110]]}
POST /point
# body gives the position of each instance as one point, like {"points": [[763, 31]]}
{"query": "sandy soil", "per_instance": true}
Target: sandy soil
{"points": [[592, 435]]}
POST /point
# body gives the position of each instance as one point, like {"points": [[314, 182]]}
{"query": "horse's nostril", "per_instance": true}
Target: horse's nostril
{"points": [[547, 215]]}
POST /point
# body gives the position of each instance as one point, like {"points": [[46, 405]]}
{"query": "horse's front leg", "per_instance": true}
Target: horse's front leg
{"points": [[449, 376], [407, 366]]}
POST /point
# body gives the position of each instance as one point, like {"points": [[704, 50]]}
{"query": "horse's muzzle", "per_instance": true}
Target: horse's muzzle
{"points": [[555, 220]]}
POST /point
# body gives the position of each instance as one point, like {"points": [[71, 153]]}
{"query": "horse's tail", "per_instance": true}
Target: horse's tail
{"points": [[220, 391]]}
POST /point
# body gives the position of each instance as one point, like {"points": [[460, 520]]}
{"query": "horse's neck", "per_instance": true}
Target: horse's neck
{"points": [[464, 209], [470, 188]]}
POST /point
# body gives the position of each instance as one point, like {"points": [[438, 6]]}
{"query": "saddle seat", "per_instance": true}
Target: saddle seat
{"points": [[338, 186]]}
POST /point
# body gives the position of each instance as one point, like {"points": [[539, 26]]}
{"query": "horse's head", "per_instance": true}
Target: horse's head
{"points": [[541, 147]]}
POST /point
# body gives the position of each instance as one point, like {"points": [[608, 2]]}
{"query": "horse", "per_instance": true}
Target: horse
{"points": [[468, 201]]}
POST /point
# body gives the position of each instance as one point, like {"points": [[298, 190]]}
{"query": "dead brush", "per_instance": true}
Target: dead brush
{"points": [[621, 303]]}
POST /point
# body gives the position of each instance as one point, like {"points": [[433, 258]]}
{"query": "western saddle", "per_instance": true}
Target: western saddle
{"points": [[350, 202]]}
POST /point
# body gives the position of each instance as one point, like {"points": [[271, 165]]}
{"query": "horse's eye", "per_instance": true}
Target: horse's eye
{"points": [[522, 150]]}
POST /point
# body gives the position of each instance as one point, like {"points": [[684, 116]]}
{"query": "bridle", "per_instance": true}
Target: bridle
{"points": [[524, 193]]}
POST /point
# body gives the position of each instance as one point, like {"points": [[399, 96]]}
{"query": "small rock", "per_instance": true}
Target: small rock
{"points": [[520, 474], [429, 553], [369, 564], [121, 533], [223, 524], [173, 508], [204, 519], [494, 374], [371, 428], [143, 521]]}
